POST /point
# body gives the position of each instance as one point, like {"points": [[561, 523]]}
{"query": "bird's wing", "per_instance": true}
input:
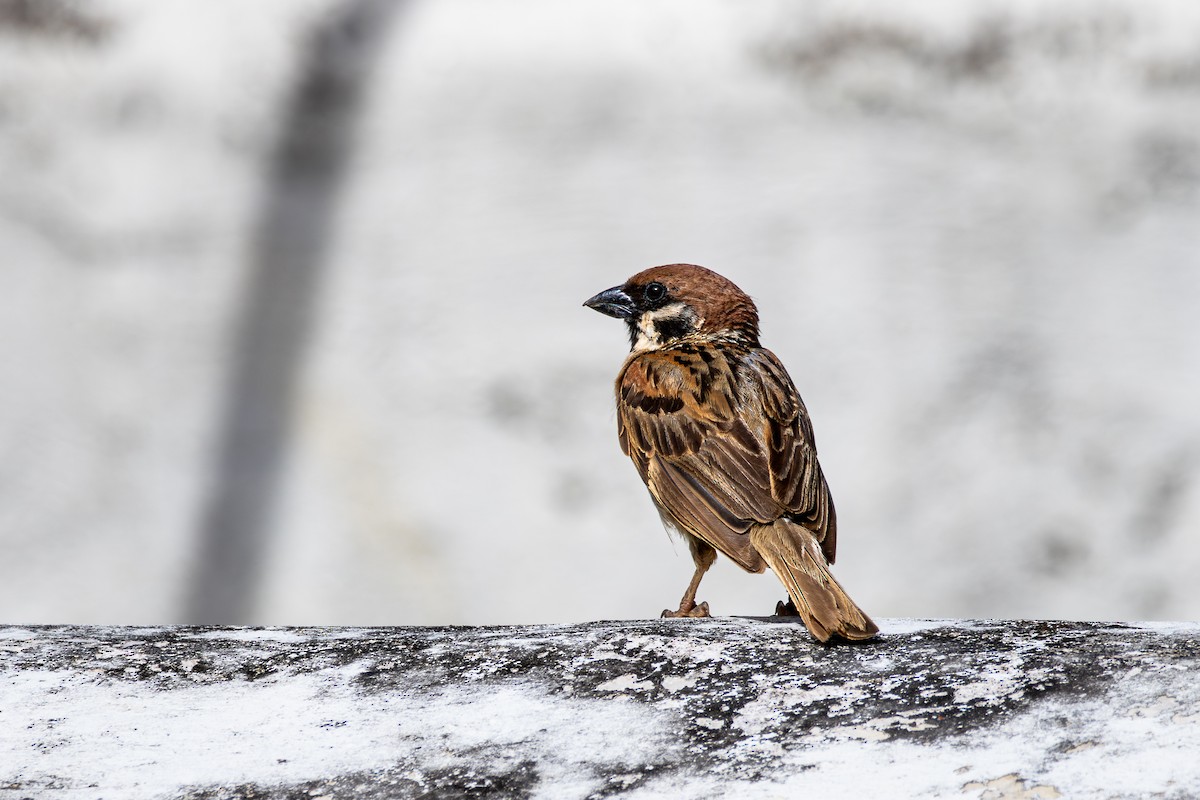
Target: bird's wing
{"points": [[709, 431], [797, 482]]}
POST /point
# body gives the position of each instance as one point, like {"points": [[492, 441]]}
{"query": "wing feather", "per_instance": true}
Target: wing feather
{"points": [[723, 441]]}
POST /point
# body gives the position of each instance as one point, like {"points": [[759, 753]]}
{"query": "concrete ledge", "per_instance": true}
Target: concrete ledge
{"points": [[676, 708]]}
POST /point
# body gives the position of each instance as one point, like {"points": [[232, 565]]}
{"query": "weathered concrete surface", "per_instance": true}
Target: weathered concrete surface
{"points": [[674, 708]]}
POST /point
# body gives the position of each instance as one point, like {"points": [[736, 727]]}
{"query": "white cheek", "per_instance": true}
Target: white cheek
{"points": [[647, 337]]}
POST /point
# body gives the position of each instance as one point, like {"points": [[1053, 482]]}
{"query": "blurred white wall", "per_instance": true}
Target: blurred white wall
{"points": [[973, 231]]}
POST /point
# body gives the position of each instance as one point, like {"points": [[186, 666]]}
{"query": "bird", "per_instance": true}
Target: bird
{"points": [[720, 436]]}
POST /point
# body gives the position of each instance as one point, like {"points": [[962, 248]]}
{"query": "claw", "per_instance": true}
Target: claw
{"points": [[787, 609], [700, 610]]}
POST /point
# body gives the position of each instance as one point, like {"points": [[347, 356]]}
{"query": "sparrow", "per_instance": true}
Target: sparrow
{"points": [[719, 435]]}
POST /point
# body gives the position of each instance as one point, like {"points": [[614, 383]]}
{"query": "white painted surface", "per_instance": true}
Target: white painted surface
{"points": [[985, 287]]}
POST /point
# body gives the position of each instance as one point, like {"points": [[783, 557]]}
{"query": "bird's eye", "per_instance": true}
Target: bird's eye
{"points": [[655, 291]]}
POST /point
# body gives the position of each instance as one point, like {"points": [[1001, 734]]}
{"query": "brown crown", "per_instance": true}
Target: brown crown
{"points": [[716, 299]]}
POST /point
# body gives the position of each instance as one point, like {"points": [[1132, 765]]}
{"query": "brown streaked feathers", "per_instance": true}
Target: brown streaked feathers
{"points": [[719, 434]]}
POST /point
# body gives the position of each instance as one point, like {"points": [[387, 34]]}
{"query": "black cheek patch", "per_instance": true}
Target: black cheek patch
{"points": [[672, 328]]}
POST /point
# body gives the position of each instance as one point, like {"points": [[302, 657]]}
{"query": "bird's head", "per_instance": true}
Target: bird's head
{"points": [[664, 304]]}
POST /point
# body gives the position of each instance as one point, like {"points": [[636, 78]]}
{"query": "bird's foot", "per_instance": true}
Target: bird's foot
{"points": [[787, 609], [688, 610]]}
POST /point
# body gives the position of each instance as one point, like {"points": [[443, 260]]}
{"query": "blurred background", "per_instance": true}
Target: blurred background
{"points": [[290, 328]]}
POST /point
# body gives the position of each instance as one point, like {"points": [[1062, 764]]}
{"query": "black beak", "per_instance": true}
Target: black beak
{"points": [[613, 302]]}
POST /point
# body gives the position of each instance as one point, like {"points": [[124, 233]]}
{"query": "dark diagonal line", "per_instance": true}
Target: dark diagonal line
{"points": [[288, 256]]}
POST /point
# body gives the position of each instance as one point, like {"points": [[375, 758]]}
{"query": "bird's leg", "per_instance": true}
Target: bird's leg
{"points": [[688, 606], [704, 556], [787, 609]]}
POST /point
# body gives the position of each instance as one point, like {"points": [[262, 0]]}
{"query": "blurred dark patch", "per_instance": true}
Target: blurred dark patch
{"points": [[84, 246], [572, 492], [982, 54], [1007, 371], [287, 257], [1161, 498], [1174, 74], [1059, 552], [52, 19], [1169, 165], [1162, 168], [508, 405], [1099, 465], [545, 406]]}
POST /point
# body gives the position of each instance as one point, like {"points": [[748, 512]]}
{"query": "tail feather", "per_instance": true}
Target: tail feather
{"points": [[794, 555]]}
